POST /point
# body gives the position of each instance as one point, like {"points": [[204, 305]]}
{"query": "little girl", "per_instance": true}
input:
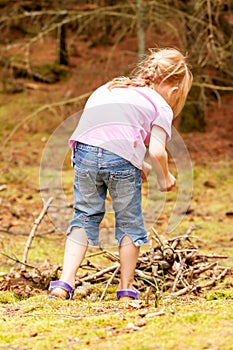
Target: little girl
{"points": [[120, 120]]}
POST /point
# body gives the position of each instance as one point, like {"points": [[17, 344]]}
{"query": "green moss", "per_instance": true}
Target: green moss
{"points": [[219, 295], [52, 72], [9, 297]]}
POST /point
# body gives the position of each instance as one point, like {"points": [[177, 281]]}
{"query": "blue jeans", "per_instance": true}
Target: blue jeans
{"points": [[95, 171]]}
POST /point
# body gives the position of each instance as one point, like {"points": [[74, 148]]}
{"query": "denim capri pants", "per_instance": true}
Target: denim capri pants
{"points": [[97, 170]]}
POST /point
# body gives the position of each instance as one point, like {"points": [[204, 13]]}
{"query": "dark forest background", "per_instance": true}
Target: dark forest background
{"points": [[202, 29]]}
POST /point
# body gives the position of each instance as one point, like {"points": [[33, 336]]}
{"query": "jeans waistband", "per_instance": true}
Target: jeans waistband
{"points": [[84, 146]]}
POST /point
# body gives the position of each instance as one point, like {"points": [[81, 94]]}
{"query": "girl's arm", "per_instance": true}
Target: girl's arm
{"points": [[146, 168], [159, 159]]}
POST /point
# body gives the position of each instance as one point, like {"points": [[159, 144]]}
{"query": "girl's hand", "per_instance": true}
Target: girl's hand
{"points": [[167, 184]]}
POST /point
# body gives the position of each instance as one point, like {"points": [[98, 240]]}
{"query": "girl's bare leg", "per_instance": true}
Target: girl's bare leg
{"points": [[75, 249], [128, 259]]}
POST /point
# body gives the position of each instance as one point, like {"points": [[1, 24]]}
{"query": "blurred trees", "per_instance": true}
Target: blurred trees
{"points": [[202, 28]]}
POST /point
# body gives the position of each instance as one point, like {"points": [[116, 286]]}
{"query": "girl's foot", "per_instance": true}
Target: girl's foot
{"points": [[126, 299], [127, 294], [59, 293], [61, 289]]}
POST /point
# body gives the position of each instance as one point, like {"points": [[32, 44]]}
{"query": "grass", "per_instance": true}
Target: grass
{"points": [[51, 324], [186, 323]]}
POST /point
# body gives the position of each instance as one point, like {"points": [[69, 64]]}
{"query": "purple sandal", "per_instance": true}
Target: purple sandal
{"points": [[62, 285], [132, 293]]}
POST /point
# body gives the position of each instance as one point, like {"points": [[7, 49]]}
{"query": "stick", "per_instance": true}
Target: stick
{"points": [[178, 276], [213, 256], [99, 273], [183, 291], [34, 228], [18, 261], [147, 294], [181, 239], [157, 238], [21, 233], [204, 268], [111, 256], [95, 254], [109, 282], [147, 277], [214, 279]]}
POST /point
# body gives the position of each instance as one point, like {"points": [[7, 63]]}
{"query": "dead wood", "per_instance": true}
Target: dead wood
{"points": [[110, 281], [169, 268], [33, 230], [174, 267], [22, 71], [94, 277]]}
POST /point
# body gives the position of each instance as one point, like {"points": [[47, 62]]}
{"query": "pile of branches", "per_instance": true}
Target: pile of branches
{"points": [[174, 267]]}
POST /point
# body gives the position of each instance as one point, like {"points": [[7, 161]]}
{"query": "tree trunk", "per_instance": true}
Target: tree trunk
{"points": [[62, 53], [193, 114], [140, 29]]}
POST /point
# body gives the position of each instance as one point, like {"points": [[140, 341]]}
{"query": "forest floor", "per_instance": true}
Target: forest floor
{"points": [[29, 320]]}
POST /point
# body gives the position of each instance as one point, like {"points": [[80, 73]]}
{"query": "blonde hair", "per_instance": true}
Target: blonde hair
{"points": [[161, 66]]}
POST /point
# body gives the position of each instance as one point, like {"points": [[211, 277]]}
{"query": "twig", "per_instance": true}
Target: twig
{"points": [[183, 291], [188, 233], [213, 256], [109, 282], [18, 261], [99, 273], [157, 238], [144, 276], [185, 250], [95, 254], [21, 233], [214, 279], [111, 256], [147, 293], [34, 228], [214, 87], [178, 276], [204, 268]]}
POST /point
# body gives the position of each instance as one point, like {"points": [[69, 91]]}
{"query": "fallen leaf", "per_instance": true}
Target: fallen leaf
{"points": [[136, 304], [209, 184], [143, 313], [132, 327], [34, 334], [3, 187], [140, 323]]}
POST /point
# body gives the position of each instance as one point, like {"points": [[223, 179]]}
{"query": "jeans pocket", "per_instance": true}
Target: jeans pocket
{"points": [[84, 182], [122, 183]]}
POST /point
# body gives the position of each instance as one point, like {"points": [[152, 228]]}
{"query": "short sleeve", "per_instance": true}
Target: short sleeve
{"points": [[163, 119]]}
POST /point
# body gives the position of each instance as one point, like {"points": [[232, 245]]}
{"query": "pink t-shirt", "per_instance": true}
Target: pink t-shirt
{"points": [[120, 120]]}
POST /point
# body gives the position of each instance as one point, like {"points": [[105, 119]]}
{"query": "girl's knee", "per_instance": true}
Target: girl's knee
{"points": [[78, 236], [126, 240]]}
